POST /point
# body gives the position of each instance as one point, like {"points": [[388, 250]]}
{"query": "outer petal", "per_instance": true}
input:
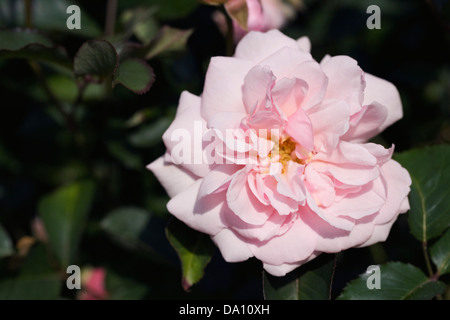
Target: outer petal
{"points": [[360, 233], [398, 184], [385, 93], [232, 247], [283, 61], [203, 215], [283, 269], [173, 178], [184, 137], [367, 123], [296, 244], [256, 46], [379, 234], [223, 83], [304, 44], [346, 81]]}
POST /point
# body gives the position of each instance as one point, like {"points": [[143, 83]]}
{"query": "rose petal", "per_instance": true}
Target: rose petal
{"points": [[385, 93], [222, 91], [184, 137], [381, 153], [347, 173], [398, 182], [256, 89], [296, 244], [304, 44], [282, 204], [233, 249], [332, 240], [274, 226], [379, 234], [330, 122], [320, 186], [346, 81], [282, 61], [203, 215], [254, 46], [223, 121], [366, 123], [218, 179], [311, 72], [300, 128], [173, 178], [288, 94], [349, 153], [243, 202], [369, 200]]}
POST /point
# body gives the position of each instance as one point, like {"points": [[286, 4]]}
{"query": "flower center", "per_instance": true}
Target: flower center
{"points": [[285, 152]]}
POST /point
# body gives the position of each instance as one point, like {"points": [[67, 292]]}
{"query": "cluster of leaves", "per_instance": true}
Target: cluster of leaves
{"points": [[74, 70], [87, 109]]}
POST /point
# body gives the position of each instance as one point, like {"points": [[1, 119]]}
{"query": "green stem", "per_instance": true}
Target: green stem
{"points": [[41, 77], [29, 14], [332, 276], [427, 258], [229, 35], [78, 99], [111, 12], [378, 253]]}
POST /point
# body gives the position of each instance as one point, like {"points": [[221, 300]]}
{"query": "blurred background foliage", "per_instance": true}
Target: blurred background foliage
{"points": [[73, 150]]}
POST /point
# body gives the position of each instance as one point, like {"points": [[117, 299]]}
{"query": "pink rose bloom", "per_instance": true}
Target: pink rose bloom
{"points": [[263, 15], [93, 285], [295, 175]]}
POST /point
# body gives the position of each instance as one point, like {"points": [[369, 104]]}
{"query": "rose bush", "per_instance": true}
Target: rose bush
{"points": [[314, 183]]}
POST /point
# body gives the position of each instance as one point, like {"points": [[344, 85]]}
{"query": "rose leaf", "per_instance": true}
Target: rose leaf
{"points": [[429, 199], [135, 75], [96, 58], [194, 249], [397, 281], [440, 253], [64, 213]]}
